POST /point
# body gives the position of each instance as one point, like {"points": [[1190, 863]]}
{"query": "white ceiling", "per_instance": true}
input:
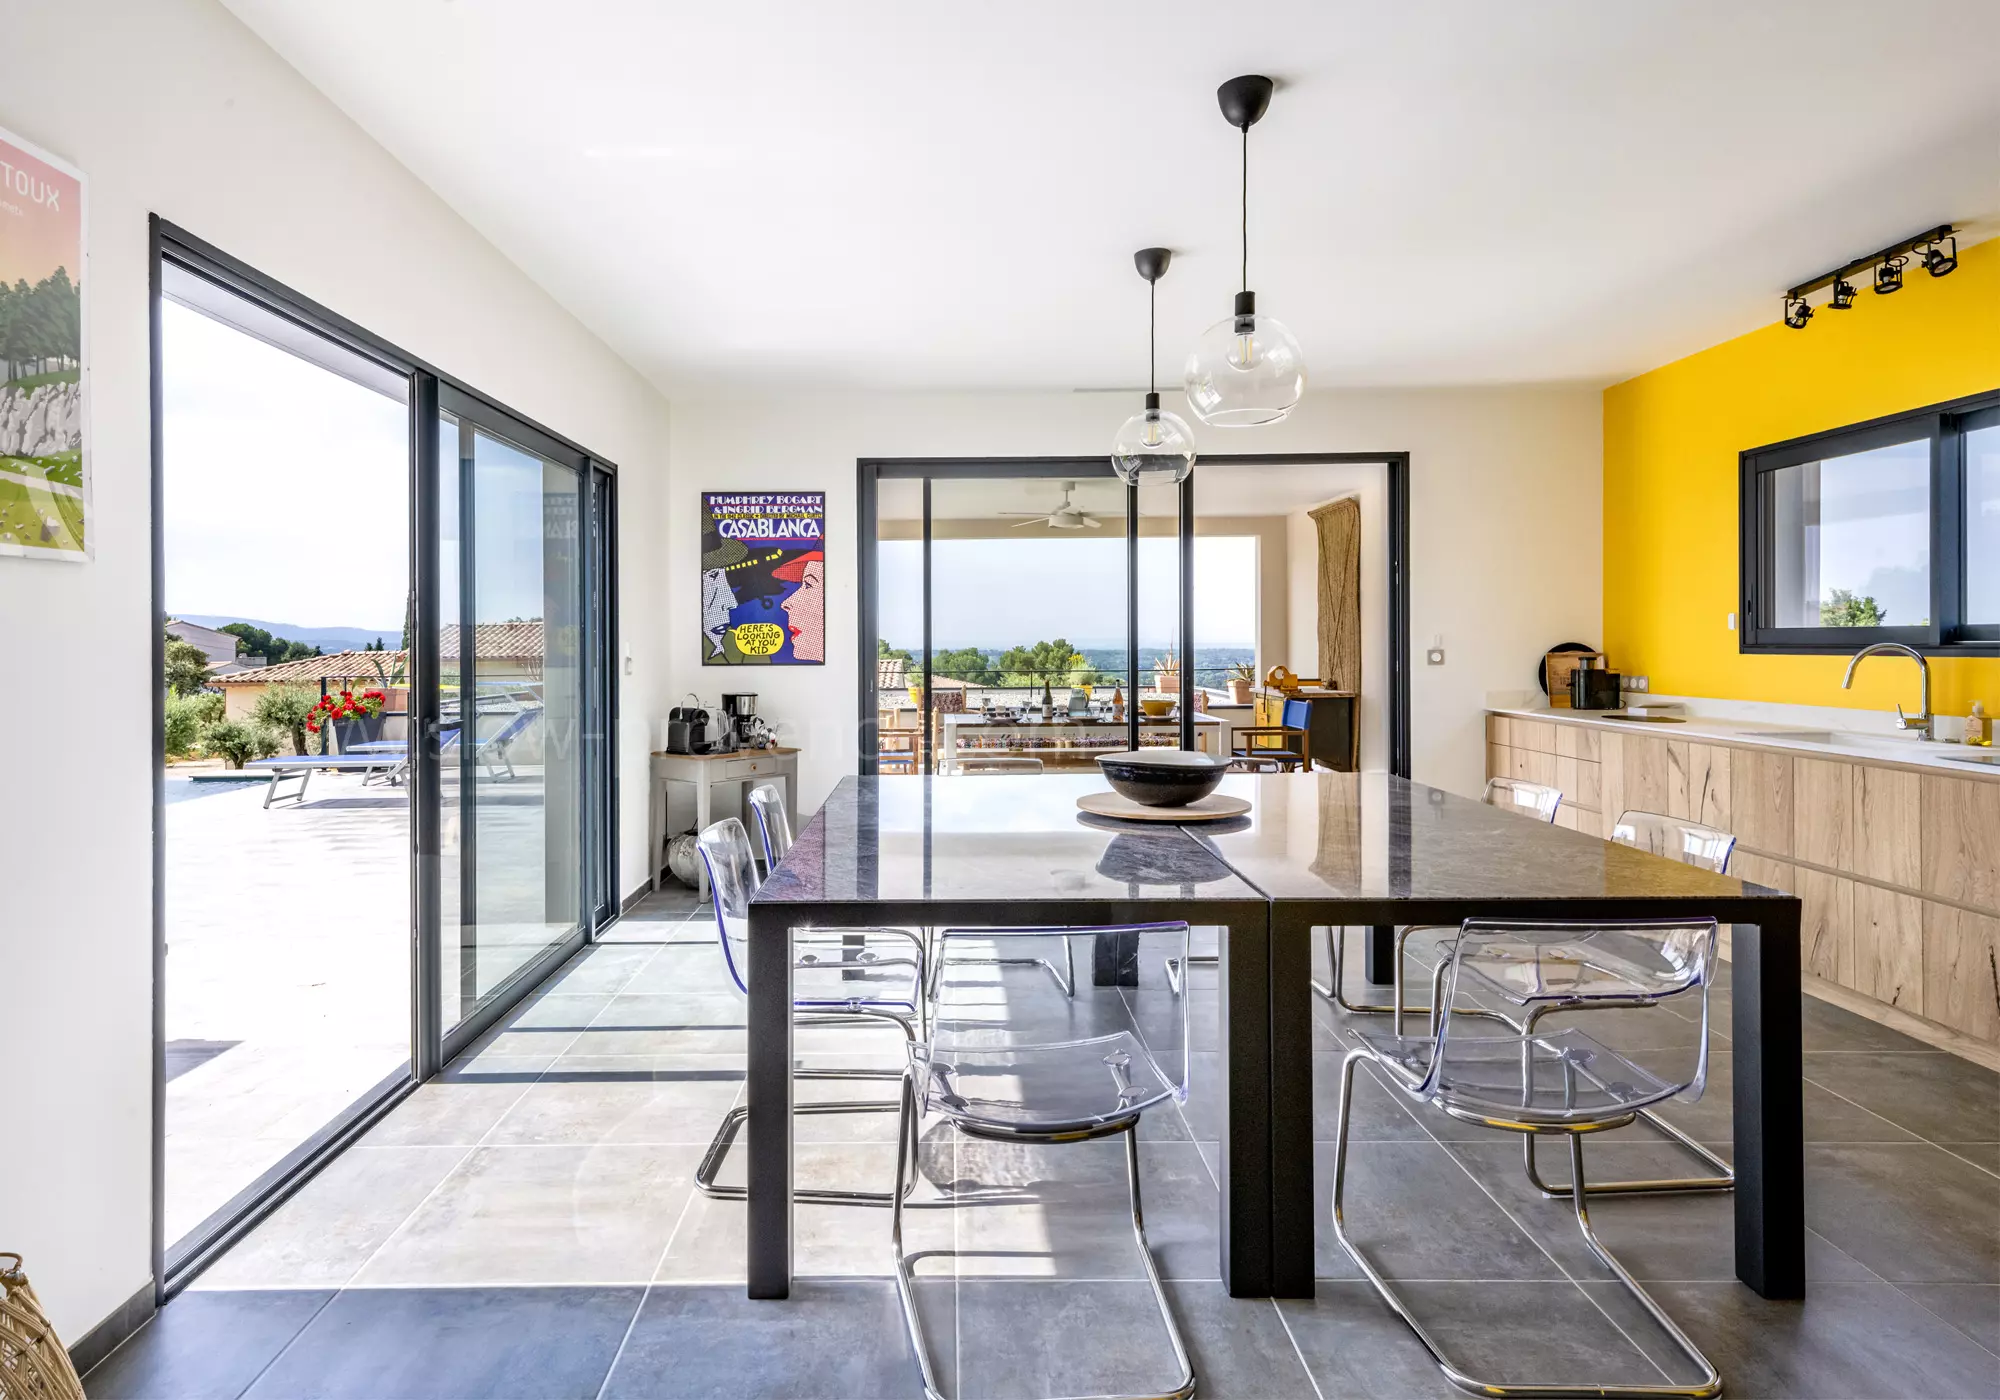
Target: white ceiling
{"points": [[906, 194]]}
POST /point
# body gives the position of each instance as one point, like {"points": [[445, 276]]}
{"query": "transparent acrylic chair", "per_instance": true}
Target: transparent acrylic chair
{"points": [[1007, 1062], [1544, 1082], [1509, 794], [774, 823], [839, 977]]}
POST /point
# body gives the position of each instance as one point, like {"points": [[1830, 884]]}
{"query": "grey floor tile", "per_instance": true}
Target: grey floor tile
{"points": [[1501, 1332], [1980, 1154], [205, 1346], [828, 1240], [326, 1232], [1418, 1214], [1845, 1341], [657, 1099], [1680, 1237], [1937, 1096], [1239, 1346], [542, 1215], [455, 1343], [544, 1025], [1910, 1212], [461, 1105], [829, 1341], [1829, 1027], [602, 968], [1026, 1338], [1973, 1308], [1064, 1211], [684, 969], [666, 1025]]}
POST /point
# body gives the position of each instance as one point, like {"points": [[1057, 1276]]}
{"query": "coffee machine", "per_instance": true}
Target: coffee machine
{"points": [[743, 729]]}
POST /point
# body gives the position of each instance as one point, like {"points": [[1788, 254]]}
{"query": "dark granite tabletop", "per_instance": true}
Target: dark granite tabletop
{"points": [[1376, 837], [1000, 837]]}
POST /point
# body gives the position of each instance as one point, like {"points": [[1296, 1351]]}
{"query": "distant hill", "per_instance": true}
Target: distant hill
{"points": [[326, 638]]}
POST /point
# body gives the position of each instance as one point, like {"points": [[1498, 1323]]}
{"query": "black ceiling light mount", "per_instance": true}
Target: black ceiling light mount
{"points": [[1936, 249]]}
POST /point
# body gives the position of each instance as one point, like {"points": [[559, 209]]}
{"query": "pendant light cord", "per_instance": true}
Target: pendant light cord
{"points": [[1246, 209], [1152, 337]]}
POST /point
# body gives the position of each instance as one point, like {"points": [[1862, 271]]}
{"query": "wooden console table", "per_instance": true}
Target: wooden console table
{"points": [[703, 772]]}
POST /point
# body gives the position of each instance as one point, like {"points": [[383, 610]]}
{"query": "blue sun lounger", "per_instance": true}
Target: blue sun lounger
{"points": [[301, 767]]}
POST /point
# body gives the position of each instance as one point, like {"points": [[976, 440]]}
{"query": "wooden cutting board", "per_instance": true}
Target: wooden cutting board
{"points": [[1213, 808]]}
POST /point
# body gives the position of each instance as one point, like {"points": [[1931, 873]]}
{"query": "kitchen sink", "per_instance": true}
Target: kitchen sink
{"points": [[1975, 755], [1645, 719]]}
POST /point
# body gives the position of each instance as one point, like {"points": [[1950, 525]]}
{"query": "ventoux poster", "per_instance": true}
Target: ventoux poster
{"points": [[44, 472], [763, 578]]}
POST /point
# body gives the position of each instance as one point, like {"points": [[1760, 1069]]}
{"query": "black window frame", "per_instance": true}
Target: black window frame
{"points": [[1947, 633]]}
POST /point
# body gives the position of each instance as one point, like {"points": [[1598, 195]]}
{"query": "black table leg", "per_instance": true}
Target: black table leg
{"points": [[1769, 1109], [1245, 1076], [1378, 963], [1295, 1207], [768, 1092]]}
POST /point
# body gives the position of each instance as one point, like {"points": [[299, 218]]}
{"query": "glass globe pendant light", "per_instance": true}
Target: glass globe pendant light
{"points": [[1153, 446], [1246, 369]]}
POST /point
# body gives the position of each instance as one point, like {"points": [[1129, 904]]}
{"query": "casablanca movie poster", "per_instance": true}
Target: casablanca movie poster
{"points": [[44, 472], [763, 578]]}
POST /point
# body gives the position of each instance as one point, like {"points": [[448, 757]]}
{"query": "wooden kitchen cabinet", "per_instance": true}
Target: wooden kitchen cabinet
{"points": [[1897, 868]]}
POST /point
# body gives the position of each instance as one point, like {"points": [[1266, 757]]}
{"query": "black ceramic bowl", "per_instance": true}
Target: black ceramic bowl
{"points": [[1163, 777]]}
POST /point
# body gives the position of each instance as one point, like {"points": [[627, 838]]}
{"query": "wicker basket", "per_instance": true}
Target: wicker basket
{"points": [[33, 1364]]}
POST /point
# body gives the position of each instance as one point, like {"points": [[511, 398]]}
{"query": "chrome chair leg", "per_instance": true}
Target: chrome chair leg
{"points": [[1723, 1180], [906, 1157], [1710, 1384], [732, 1123], [1174, 971]]}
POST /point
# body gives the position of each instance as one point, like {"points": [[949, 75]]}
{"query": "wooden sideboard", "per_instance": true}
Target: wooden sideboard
{"points": [[1898, 867]]}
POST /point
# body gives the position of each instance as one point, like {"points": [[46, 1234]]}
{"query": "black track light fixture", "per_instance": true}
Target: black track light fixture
{"points": [[1935, 249], [1939, 263]]}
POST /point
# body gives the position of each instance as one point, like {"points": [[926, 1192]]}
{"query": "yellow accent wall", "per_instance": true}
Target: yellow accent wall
{"points": [[1671, 439]]}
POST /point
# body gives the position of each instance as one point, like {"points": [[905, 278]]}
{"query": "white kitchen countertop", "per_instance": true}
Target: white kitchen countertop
{"points": [[1863, 746]]}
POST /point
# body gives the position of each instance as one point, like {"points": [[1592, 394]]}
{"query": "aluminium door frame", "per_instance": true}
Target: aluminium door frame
{"points": [[870, 471], [430, 1046]]}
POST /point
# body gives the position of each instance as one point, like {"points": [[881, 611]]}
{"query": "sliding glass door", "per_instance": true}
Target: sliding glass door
{"points": [[511, 709], [387, 702]]}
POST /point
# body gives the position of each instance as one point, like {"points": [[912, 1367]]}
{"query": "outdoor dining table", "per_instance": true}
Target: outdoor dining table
{"points": [[1316, 850]]}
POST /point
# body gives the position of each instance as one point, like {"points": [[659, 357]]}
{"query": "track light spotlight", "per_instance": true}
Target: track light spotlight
{"points": [[1843, 295], [1797, 313], [1889, 276], [1939, 263]]}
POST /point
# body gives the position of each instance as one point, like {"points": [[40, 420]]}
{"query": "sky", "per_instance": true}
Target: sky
{"points": [[287, 493], [1007, 592], [1875, 529], [287, 486]]}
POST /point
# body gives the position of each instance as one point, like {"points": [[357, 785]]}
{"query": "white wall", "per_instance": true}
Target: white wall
{"points": [[1371, 485], [1506, 499], [172, 106]]}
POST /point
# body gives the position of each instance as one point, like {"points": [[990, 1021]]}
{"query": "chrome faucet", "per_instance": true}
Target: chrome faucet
{"points": [[1923, 723]]}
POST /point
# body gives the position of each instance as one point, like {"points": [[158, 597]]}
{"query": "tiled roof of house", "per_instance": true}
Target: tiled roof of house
{"points": [[497, 641], [890, 672]]}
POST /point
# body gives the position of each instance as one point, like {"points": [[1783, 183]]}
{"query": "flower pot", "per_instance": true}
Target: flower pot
{"points": [[1239, 692], [349, 732]]}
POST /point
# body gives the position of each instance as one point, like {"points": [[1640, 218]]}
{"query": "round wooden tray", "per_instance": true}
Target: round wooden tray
{"points": [[1213, 808]]}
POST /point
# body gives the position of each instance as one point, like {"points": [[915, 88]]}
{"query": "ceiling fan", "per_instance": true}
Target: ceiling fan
{"points": [[1064, 517]]}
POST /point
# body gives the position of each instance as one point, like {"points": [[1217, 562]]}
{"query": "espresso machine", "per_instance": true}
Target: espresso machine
{"points": [[743, 730]]}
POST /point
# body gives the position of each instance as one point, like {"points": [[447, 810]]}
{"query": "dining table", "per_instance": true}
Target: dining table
{"points": [[1316, 850]]}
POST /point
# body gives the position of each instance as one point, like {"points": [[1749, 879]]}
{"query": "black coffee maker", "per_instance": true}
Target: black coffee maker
{"points": [[1593, 688], [741, 727]]}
